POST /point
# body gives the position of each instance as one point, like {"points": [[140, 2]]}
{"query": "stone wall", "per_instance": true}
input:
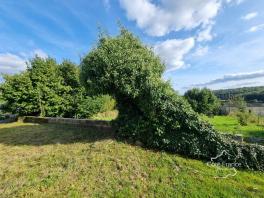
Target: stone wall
{"points": [[96, 124], [257, 109], [9, 118]]}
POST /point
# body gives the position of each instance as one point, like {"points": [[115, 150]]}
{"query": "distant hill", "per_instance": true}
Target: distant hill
{"points": [[250, 94]]}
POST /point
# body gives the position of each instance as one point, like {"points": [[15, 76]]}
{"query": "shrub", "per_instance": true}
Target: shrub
{"points": [[203, 101], [149, 109], [90, 106], [239, 103], [243, 118], [107, 103]]}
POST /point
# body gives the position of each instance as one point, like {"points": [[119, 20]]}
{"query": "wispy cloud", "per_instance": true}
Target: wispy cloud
{"points": [[53, 17], [250, 16], [39, 30], [13, 63], [200, 51], [205, 34], [80, 15], [256, 28], [245, 84], [233, 77], [237, 2]]}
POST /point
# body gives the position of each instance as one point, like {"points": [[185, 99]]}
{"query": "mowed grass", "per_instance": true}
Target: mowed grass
{"points": [[63, 161], [230, 124]]}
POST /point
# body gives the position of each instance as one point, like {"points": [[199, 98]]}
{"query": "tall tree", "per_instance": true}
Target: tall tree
{"points": [[48, 83]]}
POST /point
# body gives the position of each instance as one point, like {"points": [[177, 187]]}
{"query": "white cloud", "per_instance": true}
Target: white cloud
{"points": [[172, 52], [237, 2], [234, 77], [159, 18], [205, 34], [249, 16], [170, 15], [256, 28], [11, 63], [201, 51]]}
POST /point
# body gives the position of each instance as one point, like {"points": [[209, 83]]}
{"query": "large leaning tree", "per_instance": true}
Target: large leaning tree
{"points": [[150, 110]]}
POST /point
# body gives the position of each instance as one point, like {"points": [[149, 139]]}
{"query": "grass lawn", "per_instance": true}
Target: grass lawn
{"points": [[229, 124], [57, 161], [108, 115]]}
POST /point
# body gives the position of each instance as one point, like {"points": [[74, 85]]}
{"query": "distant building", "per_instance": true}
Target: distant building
{"points": [[257, 108]]}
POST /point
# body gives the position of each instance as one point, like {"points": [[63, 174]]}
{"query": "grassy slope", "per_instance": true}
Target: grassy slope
{"points": [[49, 161], [229, 124]]}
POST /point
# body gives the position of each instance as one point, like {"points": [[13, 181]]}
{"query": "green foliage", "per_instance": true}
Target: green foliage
{"points": [[241, 106], [70, 74], [203, 101], [243, 118], [49, 89], [149, 109], [19, 94], [89, 106], [239, 103], [108, 103], [46, 80]]}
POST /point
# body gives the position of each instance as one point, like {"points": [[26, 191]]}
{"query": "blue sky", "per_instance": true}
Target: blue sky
{"points": [[204, 43]]}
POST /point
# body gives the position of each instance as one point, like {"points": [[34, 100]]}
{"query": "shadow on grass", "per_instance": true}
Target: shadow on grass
{"points": [[45, 134]]}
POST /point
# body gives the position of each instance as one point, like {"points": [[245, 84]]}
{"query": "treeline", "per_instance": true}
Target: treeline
{"points": [[250, 94], [50, 89]]}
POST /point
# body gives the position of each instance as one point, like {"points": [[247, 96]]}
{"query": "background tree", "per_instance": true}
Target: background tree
{"points": [[19, 95], [203, 101], [81, 104], [70, 74], [50, 89], [49, 84], [149, 109]]}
